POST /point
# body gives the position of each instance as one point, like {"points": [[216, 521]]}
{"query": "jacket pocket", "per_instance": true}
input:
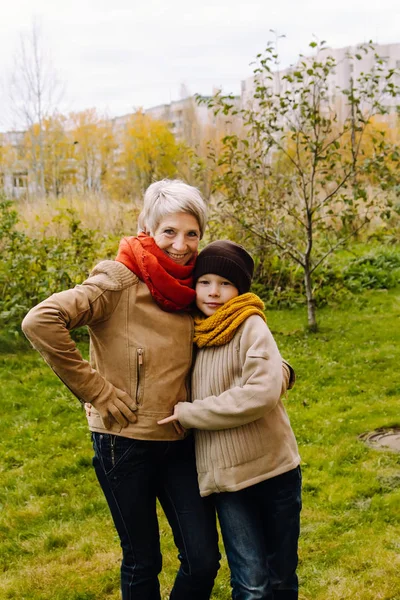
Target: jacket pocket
{"points": [[139, 376]]}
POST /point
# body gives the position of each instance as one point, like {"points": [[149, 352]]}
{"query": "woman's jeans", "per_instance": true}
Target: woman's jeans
{"points": [[260, 526], [133, 474]]}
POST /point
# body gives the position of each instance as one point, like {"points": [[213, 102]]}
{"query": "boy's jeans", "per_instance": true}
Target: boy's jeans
{"points": [[132, 474], [260, 527]]}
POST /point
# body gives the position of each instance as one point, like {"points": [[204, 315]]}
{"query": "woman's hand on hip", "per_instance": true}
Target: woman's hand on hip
{"points": [[117, 406]]}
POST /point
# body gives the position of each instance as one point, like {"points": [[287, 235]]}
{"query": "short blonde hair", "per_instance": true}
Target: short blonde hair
{"points": [[167, 197]]}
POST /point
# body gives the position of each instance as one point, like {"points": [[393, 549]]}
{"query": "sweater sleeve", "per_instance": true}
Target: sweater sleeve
{"points": [[258, 393], [48, 325]]}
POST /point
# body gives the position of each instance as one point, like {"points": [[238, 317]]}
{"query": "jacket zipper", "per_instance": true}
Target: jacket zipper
{"points": [[139, 353]]}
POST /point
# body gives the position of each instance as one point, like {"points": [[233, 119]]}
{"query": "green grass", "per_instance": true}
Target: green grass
{"points": [[56, 537]]}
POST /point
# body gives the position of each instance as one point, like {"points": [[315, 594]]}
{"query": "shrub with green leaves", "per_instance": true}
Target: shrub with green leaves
{"points": [[375, 270], [282, 283], [33, 268]]}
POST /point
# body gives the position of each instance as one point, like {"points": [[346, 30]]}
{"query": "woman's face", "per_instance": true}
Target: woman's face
{"points": [[178, 235]]}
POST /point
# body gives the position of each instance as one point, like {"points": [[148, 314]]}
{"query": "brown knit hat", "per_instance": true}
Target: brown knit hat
{"points": [[226, 259]]}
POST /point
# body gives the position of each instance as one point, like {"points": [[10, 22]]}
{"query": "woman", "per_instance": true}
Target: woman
{"points": [[140, 355]]}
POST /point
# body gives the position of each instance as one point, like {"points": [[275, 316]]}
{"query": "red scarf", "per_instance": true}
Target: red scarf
{"points": [[169, 284]]}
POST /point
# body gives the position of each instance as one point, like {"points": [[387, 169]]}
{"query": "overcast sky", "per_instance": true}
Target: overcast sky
{"points": [[119, 55]]}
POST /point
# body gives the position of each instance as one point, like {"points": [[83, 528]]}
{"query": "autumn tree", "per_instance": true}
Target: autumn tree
{"points": [[5, 152], [55, 156], [13, 164], [149, 152], [382, 133], [95, 145], [296, 178]]}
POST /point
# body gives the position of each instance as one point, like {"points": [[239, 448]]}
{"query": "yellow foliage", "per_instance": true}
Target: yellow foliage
{"points": [[85, 152], [149, 152], [47, 151], [94, 144], [8, 154]]}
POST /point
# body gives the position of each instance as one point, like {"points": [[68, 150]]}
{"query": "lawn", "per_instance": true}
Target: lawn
{"points": [[57, 541]]}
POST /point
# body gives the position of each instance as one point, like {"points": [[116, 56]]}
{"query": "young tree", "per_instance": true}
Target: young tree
{"points": [[34, 89], [296, 178]]}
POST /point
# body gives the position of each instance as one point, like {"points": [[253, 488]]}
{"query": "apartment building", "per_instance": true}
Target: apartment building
{"points": [[181, 116], [348, 68], [13, 170]]}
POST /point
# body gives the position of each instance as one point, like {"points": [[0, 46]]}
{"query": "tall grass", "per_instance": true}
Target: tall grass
{"points": [[38, 217]]}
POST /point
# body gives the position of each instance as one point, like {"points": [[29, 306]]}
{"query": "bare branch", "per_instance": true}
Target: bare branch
{"points": [[339, 243]]}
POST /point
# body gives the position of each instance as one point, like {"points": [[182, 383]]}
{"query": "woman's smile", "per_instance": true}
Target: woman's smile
{"points": [[178, 235]]}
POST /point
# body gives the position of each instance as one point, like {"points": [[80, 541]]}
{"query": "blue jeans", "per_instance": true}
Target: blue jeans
{"points": [[133, 474], [260, 526]]}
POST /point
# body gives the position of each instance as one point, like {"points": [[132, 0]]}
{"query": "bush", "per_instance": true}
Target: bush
{"points": [[376, 270], [31, 269], [282, 282]]}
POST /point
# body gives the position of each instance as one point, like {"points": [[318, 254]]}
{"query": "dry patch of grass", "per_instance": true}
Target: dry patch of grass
{"points": [[41, 217]]}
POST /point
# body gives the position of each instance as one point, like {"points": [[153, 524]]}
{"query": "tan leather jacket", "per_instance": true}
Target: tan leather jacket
{"points": [[134, 346]]}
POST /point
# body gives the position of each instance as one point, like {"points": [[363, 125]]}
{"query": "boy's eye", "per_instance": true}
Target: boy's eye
{"points": [[226, 283], [203, 281]]}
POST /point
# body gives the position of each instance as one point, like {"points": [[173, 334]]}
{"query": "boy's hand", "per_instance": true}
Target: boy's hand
{"points": [[288, 377], [168, 420], [175, 421]]}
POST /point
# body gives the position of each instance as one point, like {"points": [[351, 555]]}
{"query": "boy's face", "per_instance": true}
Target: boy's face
{"points": [[212, 292]]}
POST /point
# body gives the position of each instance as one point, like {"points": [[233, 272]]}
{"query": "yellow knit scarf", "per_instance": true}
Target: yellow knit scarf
{"points": [[220, 328]]}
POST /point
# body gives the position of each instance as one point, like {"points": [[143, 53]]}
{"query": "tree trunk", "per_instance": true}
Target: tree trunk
{"points": [[262, 253], [41, 159], [311, 319]]}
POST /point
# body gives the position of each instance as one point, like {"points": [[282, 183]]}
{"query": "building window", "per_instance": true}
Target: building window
{"points": [[19, 180]]}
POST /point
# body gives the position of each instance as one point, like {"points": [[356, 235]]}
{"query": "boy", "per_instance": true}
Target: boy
{"points": [[246, 452]]}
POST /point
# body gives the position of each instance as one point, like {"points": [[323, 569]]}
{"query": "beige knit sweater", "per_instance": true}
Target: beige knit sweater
{"points": [[243, 434]]}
